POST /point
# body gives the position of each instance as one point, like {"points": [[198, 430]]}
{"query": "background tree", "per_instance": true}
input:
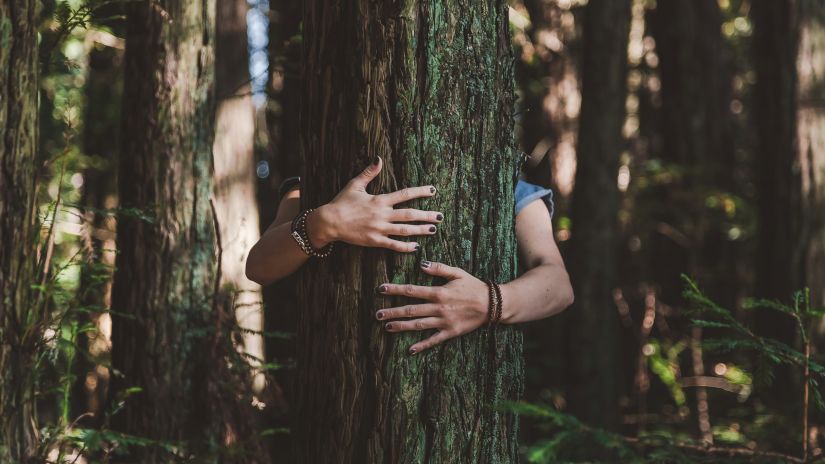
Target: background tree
{"points": [[592, 335], [22, 323], [430, 91], [169, 325]]}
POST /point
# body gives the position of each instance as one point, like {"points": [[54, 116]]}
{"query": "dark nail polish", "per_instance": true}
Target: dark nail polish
{"points": [[381, 288], [425, 264], [432, 228], [432, 189], [380, 314], [417, 247], [412, 351], [376, 160], [388, 326], [439, 217]]}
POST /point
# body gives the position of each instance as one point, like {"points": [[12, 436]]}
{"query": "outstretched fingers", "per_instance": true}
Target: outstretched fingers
{"points": [[442, 270], [439, 337], [412, 291], [407, 194]]}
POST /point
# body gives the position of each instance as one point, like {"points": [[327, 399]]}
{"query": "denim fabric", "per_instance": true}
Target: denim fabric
{"points": [[526, 193]]}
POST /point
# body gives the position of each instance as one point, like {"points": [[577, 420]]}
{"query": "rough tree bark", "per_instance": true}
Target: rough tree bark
{"points": [[593, 324], [429, 87], [21, 324], [167, 275]]}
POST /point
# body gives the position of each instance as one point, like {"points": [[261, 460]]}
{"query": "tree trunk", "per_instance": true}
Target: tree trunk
{"points": [[163, 298], [593, 332], [810, 119], [21, 322], [235, 202], [778, 268], [428, 86], [100, 143]]}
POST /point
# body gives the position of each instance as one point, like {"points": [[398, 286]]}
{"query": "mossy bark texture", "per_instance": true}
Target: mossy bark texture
{"points": [[428, 86], [20, 325], [167, 265]]}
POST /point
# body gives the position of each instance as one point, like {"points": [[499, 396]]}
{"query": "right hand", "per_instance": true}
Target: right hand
{"points": [[358, 218]]}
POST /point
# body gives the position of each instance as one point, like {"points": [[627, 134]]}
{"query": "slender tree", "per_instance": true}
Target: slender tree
{"points": [[778, 269], [810, 119], [163, 296], [593, 332], [428, 86], [21, 322]]}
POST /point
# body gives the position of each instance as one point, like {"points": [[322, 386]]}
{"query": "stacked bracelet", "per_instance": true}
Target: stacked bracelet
{"points": [[496, 306], [301, 236]]}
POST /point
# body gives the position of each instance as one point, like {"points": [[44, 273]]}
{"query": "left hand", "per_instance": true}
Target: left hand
{"points": [[455, 308]]}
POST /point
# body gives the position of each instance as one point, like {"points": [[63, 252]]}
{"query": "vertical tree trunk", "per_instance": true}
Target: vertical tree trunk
{"points": [[100, 143], [593, 333], [778, 268], [810, 119], [167, 274], [428, 86], [235, 202], [21, 323]]}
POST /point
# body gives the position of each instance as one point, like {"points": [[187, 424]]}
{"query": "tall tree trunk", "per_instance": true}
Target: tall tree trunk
{"points": [[235, 202], [778, 268], [810, 119], [593, 333], [163, 298], [21, 322], [430, 90], [100, 143]]}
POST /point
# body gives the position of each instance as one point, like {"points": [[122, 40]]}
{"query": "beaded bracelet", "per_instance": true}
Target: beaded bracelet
{"points": [[301, 236], [496, 304]]}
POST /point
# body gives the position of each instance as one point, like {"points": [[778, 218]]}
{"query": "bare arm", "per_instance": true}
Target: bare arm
{"points": [[353, 216], [461, 305]]}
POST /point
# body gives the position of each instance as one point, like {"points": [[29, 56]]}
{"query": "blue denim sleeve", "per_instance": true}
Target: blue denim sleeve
{"points": [[526, 193]]}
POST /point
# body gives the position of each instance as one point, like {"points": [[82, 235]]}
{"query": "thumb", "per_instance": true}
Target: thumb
{"points": [[368, 174]]}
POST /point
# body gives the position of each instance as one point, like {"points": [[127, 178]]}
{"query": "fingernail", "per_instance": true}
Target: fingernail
{"points": [[388, 326], [425, 264], [381, 288], [432, 189], [376, 160], [379, 315], [439, 217], [432, 228], [417, 247], [412, 351]]}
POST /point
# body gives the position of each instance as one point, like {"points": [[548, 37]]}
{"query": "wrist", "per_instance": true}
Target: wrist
{"points": [[320, 227], [506, 308]]}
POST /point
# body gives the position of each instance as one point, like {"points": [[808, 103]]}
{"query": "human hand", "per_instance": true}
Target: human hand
{"points": [[455, 308], [358, 218]]}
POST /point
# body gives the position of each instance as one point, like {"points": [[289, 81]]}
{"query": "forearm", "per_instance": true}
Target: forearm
{"points": [[540, 292], [277, 255]]}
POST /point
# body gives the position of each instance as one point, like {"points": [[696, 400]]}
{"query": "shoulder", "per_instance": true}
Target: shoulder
{"points": [[527, 193]]}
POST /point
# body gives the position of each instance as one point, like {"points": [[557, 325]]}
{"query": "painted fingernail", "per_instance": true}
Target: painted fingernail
{"points": [[425, 264], [439, 217], [376, 160], [412, 351], [432, 189], [381, 288], [417, 247], [388, 326], [432, 228], [379, 315]]}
